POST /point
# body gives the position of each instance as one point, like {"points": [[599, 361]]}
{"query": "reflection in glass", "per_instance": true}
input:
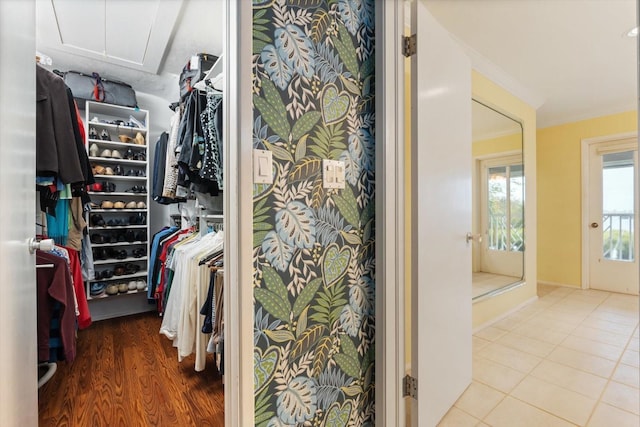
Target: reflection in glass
{"points": [[505, 192], [617, 206]]}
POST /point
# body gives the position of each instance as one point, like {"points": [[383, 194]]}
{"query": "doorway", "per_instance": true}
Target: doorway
{"points": [[610, 226]]}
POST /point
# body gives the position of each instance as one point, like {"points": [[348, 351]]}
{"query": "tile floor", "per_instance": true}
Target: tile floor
{"points": [[569, 359]]}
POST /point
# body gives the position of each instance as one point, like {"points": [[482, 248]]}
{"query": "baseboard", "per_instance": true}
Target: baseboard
{"points": [[505, 314], [561, 285]]}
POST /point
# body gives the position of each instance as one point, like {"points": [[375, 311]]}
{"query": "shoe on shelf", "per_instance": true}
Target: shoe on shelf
{"points": [[115, 154], [123, 287], [97, 289], [112, 289], [97, 238], [98, 170], [121, 254], [106, 153], [93, 150], [138, 253], [133, 285], [108, 171], [93, 133], [141, 205], [141, 285], [118, 170], [104, 135], [140, 139], [118, 205], [97, 220], [97, 187], [130, 205]]}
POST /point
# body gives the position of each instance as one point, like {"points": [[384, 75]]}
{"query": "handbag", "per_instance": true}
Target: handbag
{"points": [[96, 88]]}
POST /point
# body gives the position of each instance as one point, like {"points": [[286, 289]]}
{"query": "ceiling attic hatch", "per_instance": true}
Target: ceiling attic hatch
{"points": [[134, 34]]}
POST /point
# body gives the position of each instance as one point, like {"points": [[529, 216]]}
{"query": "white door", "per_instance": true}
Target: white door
{"points": [[441, 200], [613, 211], [18, 358]]}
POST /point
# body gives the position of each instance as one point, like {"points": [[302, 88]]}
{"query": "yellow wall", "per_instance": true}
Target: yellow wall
{"points": [[489, 93], [559, 193], [501, 144]]}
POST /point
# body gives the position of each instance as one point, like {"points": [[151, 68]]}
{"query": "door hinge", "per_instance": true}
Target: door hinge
{"points": [[409, 45], [409, 387]]}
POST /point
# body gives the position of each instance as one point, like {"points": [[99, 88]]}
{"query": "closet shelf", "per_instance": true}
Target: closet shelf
{"points": [[114, 227], [211, 216], [120, 161], [104, 245], [119, 128], [144, 291], [114, 193], [116, 210], [121, 178], [115, 261], [122, 277], [115, 143]]}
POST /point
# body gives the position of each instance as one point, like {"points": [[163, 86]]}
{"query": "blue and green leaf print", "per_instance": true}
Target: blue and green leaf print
{"points": [[314, 265]]}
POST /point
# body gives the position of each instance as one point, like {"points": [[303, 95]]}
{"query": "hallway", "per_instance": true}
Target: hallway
{"points": [[568, 359]]}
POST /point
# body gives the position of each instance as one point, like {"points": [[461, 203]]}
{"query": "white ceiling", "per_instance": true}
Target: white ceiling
{"points": [[142, 42], [570, 54]]}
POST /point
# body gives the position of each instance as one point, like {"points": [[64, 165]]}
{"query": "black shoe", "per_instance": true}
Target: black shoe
{"points": [[118, 170], [97, 238]]}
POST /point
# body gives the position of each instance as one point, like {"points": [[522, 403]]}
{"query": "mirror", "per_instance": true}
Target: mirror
{"points": [[498, 202]]}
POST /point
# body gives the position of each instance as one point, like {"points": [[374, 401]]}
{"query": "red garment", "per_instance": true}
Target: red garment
{"points": [[84, 318], [54, 284]]}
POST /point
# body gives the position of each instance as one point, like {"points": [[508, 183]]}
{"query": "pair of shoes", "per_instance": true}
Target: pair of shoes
{"points": [[112, 289], [102, 170], [137, 189], [137, 285], [138, 219], [138, 253], [97, 289], [97, 220], [97, 239], [133, 172], [104, 274], [118, 170], [117, 222], [113, 154], [97, 187]]}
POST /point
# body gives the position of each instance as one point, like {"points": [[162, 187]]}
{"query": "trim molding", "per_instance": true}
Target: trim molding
{"points": [[390, 279], [238, 301]]}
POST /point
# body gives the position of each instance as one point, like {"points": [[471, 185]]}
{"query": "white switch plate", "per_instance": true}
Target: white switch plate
{"points": [[262, 166], [332, 173]]}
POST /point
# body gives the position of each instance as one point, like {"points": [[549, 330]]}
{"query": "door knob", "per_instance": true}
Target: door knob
{"points": [[594, 225], [44, 245], [474, 237]]}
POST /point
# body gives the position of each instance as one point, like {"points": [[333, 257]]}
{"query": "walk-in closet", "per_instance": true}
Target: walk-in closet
{"points": [[129, 212]]}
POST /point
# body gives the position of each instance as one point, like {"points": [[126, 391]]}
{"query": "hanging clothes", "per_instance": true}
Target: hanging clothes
{"points": [[171, 162], [55, 294], [56, 150]]}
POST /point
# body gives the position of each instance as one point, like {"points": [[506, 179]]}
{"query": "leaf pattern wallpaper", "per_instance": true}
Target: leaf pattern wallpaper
{"points": [[314, 248]]}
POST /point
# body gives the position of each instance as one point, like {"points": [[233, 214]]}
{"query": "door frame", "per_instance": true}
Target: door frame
{"points": [[585, 146], [389, 338]]}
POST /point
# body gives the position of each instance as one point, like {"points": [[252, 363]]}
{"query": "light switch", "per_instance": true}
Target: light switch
{"points": [[262, 167], [332, 174]]}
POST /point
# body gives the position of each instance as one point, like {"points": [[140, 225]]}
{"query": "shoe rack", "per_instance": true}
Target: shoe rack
{"points": [[117, 143]]}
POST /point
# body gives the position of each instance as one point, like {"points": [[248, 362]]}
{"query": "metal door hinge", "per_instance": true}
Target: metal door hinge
{"points": [[409, 387], [409, 45]]}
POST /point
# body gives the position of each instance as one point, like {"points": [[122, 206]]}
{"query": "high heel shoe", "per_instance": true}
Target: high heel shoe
{"points": [[104, 135], [93, 150], [140, 139], [93, 133]]}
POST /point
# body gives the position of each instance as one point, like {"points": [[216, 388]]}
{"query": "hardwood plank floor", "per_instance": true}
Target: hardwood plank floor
{"points": [[127, 374]]}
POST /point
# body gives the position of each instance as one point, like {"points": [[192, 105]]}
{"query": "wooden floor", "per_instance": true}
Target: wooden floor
{"points": [[127, 374]]}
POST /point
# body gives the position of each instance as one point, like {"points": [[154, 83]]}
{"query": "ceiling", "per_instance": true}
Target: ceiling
{"points": [[571, 56], [142, 42]]}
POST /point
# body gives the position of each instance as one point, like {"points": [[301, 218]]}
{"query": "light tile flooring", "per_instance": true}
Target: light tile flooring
{"points": [[569, 359]]}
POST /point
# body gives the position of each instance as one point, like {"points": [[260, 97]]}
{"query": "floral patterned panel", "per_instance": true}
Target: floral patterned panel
{"points": [[314, 264]]}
